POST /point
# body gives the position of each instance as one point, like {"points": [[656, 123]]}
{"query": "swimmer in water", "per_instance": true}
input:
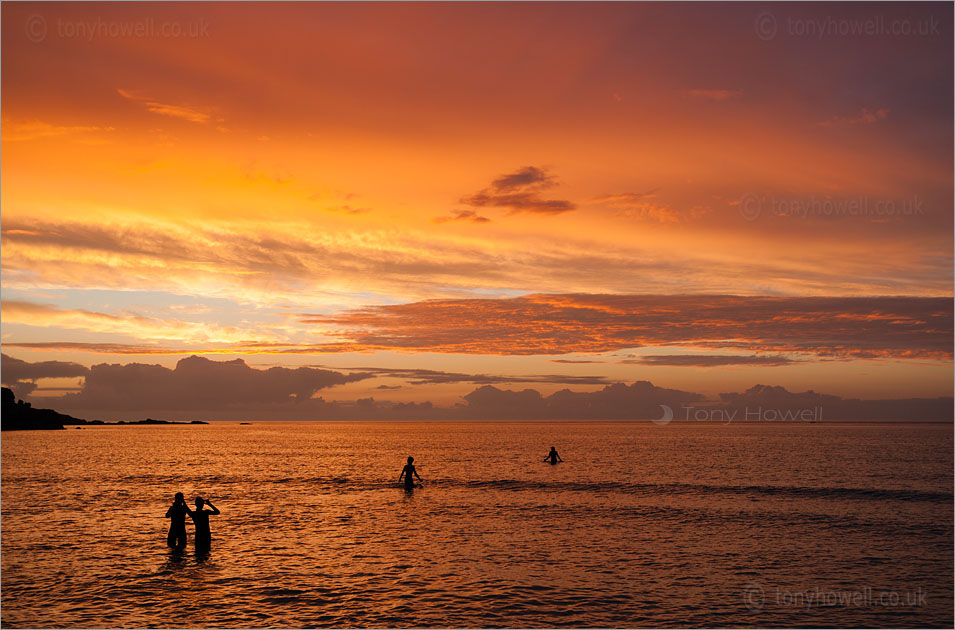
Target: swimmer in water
{"points": [[407, 472], [177, 525], [200, 519], [553, 457]]}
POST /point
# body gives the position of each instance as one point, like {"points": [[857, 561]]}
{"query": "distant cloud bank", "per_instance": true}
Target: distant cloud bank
{"points": [[202, 389]]}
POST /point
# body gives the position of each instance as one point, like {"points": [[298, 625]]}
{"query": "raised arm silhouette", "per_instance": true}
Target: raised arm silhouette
{"points": [[200, 519]]}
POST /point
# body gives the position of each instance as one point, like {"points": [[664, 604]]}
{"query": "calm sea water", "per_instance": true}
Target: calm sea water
{"points": [[643, 525]]}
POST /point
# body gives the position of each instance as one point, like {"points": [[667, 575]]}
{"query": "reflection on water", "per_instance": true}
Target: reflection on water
{"points": [[643, 525]]}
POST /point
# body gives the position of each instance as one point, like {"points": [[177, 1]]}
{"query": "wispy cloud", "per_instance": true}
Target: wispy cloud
{"points": [[184, 112], [865, 116], [347, 209], [415, 376], [710, 360], [126, 323], [574, 361], [284, 262], [640, 205], [111, 348], [36, 129], [712, 94]]}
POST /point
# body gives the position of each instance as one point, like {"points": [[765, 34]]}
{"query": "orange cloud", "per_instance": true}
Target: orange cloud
{"points": [[560, 324]]}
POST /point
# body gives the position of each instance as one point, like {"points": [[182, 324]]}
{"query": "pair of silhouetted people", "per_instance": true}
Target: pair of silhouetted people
{"points": [[407, 473], [553, 457], [200, 518]]}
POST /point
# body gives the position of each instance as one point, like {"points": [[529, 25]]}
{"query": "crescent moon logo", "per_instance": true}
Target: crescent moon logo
{"points": [[667, 415]]}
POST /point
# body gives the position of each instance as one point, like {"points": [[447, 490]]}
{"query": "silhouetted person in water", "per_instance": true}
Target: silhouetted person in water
{"points": [[553, 457], [177, 525], [200, 518], [407, 472]]}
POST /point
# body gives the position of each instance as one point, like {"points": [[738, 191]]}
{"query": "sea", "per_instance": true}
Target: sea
{"points": [[642, 525]]}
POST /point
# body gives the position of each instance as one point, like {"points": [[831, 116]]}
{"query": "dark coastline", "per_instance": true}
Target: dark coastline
{"points": [[16, 415]]}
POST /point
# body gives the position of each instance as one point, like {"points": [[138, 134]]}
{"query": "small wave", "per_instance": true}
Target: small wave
{"points": [[641, 489], [341, 484], [703, 489], [280, 592]]}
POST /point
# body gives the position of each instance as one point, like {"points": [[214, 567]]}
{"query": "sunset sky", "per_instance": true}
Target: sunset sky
{"points": [[423, 199]]}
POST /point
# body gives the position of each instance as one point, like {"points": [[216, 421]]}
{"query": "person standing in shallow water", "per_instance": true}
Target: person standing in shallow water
{"points": [[200, 519], [553, 457], [407, 472], [177, 524]]}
